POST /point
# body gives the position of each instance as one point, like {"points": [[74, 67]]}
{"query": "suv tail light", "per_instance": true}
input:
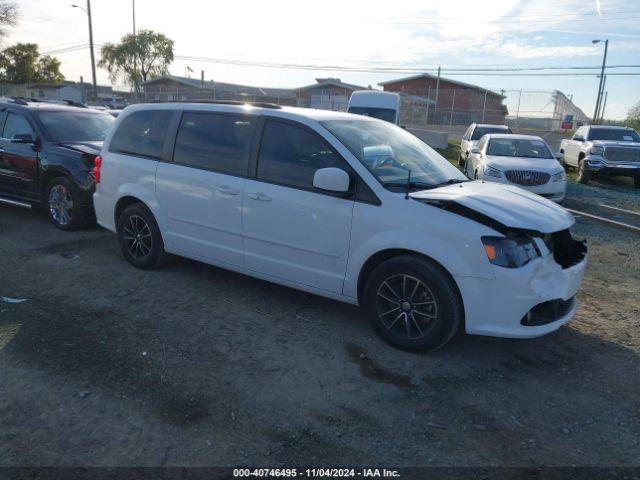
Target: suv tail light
{"points": [[97, 163]]}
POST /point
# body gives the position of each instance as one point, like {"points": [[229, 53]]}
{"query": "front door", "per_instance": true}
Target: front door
{"points": [[291, 231], [18, 161], [200, 192]]}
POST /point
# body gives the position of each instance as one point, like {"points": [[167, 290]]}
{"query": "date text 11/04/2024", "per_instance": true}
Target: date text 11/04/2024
{"points": [[315, 472]]}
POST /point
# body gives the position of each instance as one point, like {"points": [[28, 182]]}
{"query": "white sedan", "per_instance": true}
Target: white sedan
{"points": [[522, 160]]}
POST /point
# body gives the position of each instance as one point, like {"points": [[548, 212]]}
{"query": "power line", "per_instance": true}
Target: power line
{"points": [[458, 71]]}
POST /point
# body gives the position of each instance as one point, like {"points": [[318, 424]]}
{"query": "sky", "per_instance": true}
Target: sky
{"points": [[358, 35]]}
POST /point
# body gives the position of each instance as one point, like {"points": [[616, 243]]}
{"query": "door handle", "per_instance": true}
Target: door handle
{"points": [[227, 190], [259, 196]]}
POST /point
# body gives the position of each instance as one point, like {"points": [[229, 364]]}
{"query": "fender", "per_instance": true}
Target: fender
{"points": [[145, 193]]}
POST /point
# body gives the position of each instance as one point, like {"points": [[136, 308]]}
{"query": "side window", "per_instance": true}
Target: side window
{"points": [[16, 124], [215, 142], [142, 133], [290, 155], [580, 132]]}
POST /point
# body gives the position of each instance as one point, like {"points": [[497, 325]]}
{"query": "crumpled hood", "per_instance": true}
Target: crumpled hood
{"points": [[509, 205], [91, 148]]}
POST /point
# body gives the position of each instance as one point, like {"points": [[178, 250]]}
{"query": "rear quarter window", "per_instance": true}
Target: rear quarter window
{"points": [[141, 133]]}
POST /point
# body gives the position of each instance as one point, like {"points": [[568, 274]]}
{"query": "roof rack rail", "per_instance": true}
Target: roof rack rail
{"points": [[228, 102], [73, 103], [18, 100]]}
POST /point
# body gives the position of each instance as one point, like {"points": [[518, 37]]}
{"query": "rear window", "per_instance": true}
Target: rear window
{"points": [[479, 132], [141, 133], [76, 126], [386, 114], [215, 142]]}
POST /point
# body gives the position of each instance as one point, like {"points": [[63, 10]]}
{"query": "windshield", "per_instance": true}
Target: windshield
{"points": [[390, 153], [386, 114], [509, 147], [76, 126], [615, 134], [479, 132]]}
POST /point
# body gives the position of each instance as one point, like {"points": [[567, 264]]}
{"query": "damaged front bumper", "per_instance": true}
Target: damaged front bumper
{"points": [[529, 301]]}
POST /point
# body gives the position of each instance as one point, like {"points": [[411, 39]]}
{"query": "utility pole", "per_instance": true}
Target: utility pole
{"points": [[604, 104], [604, 62], [94, 93], [604, 84], [93, 58]]}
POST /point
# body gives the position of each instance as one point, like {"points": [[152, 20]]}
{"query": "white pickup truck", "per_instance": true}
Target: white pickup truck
{"points": [[603, 149]]}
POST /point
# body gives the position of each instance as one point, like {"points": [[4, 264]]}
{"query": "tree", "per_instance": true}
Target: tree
{"points": [[22, 63], [8, 16], [137, 59], [633, 117]]}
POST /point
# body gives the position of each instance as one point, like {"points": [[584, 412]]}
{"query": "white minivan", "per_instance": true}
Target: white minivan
{"points": [[374, 103], [340, 205]]}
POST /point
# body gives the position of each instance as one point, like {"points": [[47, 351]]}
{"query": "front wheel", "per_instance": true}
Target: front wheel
{"points": [[461, 161], [412, 303], [139, 237], [584, 175]]}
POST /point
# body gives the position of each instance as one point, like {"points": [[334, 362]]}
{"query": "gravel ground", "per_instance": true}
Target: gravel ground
{"points": [[106, 365]]}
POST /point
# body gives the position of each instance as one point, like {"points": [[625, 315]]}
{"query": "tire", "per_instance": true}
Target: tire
{"points": [[584, 175], [62, 205], [420, 326], [139, 237], [461, 161], [636, 181]]}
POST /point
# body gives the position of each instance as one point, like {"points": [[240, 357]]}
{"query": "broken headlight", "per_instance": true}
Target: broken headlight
{"points": [[511, 252]]}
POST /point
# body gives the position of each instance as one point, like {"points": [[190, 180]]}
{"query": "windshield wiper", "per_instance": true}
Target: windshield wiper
{"points": [[451, 181]]}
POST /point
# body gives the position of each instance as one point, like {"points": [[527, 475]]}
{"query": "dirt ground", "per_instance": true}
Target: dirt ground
{"points": [[191, 365]]}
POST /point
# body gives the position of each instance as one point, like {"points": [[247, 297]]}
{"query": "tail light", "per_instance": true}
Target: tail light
{"points": [[97, 163]]}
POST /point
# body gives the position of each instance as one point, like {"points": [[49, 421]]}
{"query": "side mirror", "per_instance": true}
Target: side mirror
{"points": [[475, 151], [22, 138], [578, 138], [559, 156], [334, 180]]}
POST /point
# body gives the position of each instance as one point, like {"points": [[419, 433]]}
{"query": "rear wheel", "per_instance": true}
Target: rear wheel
{"points": [[139, 237], [584, 175], [62, 205], [412, 303]]}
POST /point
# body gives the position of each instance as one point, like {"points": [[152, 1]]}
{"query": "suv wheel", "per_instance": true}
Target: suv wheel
{"points": [[461, 161], [139, 237], [62, 205], [412, 303], [584, 175]]}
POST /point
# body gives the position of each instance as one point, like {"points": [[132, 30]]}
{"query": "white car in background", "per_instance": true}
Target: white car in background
{"points": [[473, 135], [522, 160]]}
